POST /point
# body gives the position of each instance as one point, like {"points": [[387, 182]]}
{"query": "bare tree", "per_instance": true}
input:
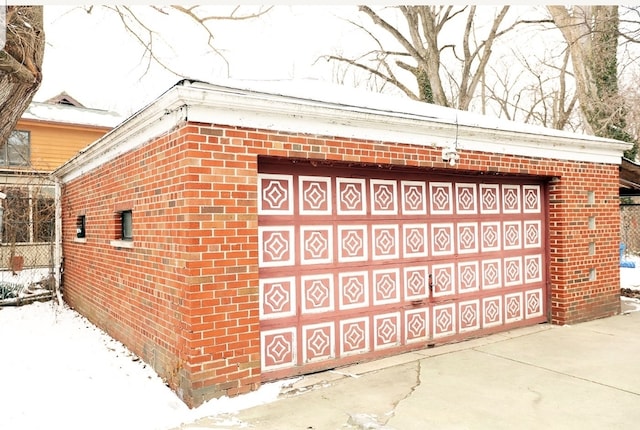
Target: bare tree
{"points": [[148, 26], [632, 96], [20, 64], [592, 36], [21, 58], [422, 48], [540, 91]]}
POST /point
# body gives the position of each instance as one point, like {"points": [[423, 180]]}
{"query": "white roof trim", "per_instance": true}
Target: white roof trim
{"points": [[341, 112]]}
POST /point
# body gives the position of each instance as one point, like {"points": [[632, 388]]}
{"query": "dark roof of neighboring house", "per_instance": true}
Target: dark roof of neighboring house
{"points": [[64, 99], [629, 178]]}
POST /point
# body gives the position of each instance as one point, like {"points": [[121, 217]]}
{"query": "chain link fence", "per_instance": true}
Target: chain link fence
{"points": [[27, 229], [630, 228]]}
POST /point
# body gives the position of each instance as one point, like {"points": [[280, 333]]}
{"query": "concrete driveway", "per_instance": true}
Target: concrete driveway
{"points": [[585, 376]]}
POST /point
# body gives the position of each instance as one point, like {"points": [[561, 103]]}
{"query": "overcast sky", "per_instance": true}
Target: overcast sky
{"points": [[92, 58]]}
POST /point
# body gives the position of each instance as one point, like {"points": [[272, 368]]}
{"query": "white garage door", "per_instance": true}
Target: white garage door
{"points": [[356, 263]]}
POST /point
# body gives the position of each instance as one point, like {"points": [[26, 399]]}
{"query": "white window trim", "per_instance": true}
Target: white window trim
{"points": [[119, 243]]}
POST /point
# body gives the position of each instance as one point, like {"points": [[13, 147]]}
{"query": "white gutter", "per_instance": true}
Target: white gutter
{"points": [[151, 122], [57, 249], [359, 115]]}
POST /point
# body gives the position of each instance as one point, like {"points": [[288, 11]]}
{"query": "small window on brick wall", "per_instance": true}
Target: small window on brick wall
{"points": [[126, 225], [81, 226]]}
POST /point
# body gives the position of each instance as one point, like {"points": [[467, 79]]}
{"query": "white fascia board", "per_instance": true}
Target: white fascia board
{"points": [[201, 102], [153, 121], [303, 116]]}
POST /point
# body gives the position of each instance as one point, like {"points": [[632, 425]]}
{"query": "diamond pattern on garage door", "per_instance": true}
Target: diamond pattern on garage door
{"points": [[352, 268]]}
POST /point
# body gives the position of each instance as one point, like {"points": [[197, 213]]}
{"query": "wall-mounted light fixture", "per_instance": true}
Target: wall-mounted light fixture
{"points": [[450, 153]]}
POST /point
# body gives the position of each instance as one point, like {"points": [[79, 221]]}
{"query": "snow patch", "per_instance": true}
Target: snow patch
{"points": [[64, 372], [630, 276], [71, 115]]}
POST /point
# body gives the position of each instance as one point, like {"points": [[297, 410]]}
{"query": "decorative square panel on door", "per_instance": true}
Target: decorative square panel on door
{"points": [[512, 237], [490, 199], [387, 330], [316, 244], [416, 283], [279, 348], [414, 197], [275, 195], [318, 342], [469, 315], [314, 195], [510, 199], [532, 234], [354, 290], [491, 311], [358, 263], [467, 233], [442, 239], [354, 336], [416, 325], [352, 196], [444, 320], [532, 268], [276, 246], [532, 203], [386, 286], [384, 240], [318, 294], [466, 199], [513, 307], [277, 297], [443, 279], [468, 277], [353, 244], [384, 198], [490, 236], [415, 240], [533, 302], [491, 274], [441, 198]]}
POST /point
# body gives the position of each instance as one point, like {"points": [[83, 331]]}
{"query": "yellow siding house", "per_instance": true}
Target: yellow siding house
{"points": [[48, 134]]}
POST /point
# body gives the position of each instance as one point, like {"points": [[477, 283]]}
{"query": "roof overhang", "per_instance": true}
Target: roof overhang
{"points": [[629, 178], [330, 110]]}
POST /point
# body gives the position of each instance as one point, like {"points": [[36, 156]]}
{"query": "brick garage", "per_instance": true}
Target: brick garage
{"points": [[183, 292]]}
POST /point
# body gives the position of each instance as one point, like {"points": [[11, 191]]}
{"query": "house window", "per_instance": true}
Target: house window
{"points": [[44, 215], [15, 219], [126, 222], [17, 150], [29, 215], [81, 226]]}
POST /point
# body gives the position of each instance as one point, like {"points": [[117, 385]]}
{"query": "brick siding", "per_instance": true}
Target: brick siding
{"points": [[185, 297]]}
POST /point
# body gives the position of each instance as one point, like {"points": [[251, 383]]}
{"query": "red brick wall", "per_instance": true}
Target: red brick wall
{"points": [[185, 297]]}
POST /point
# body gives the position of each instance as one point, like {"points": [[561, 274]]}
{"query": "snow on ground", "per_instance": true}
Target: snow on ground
{"points": [[630, 276], [24, 277], [23, 284], [59, 371], [630, 279]]}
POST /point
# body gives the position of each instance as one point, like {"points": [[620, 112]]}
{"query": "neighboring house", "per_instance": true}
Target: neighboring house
{"points": [[238, 233], [47, 135]]}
